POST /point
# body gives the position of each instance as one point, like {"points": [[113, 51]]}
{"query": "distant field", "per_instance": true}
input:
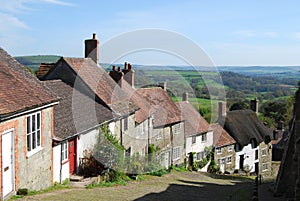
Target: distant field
{"points": [[34, 62]]}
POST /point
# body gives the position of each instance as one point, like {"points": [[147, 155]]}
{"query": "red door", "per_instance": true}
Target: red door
{"points": [[72, 155]]}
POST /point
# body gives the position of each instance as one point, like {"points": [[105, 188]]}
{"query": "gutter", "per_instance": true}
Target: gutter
{"points": [[25, 111]]}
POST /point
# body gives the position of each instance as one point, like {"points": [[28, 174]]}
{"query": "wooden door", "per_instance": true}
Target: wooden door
{"points": [[72, 155], [7, 163]]}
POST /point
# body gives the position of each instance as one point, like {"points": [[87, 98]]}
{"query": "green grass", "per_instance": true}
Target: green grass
{"points": [[55, 187]]}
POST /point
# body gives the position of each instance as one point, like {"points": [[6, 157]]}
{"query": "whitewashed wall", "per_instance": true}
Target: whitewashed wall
{"points": [[86, 142], [59, 173], [249, 157], [199, 146]]}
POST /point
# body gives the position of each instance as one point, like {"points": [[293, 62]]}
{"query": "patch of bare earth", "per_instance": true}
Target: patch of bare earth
{"points": [[175, 186]]}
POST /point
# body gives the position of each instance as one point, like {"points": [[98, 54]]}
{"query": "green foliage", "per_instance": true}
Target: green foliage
{"points": [[159, 173], [202, 162], [239, 106], [213, 167]]}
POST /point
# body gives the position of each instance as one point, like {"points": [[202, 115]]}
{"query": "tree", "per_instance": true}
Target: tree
{"points": [[239, 106]]}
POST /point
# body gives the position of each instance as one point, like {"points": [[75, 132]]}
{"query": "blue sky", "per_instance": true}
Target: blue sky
{"points": [[230, 32]]}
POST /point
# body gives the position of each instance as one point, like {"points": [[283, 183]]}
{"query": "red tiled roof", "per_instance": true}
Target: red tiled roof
{"points": [[43, 69], [144, 112], [102, 84], [19, 89], [221, 137], [162, 107], [194, 122]]}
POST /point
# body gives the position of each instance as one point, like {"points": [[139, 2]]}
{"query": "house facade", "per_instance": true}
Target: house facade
{"points": [[115, 104], [253, 148], [224, 149], [197, 132], [168, 126], [26, 127]]}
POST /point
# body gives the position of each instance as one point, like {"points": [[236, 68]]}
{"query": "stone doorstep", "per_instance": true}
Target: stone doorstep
{"points": [[84, 182], [76, 178]]}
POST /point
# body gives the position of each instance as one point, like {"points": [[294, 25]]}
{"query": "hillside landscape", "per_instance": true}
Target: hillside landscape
{"points": [[272, 86]]}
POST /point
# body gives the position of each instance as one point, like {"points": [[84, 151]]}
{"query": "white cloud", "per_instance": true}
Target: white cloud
{"points": [[9, 22], [62, 3]]}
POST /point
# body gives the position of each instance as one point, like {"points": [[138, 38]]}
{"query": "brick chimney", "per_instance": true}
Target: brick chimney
{"points": [[117, 75], [128, 74], [91, 48], [254, 105], [163, 85], [185, 96], [221, 112]]}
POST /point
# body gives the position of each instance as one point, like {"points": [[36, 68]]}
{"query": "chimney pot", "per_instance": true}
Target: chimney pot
{"points": [[114, 68], [94, 35], [125, 66], [119, 69]]}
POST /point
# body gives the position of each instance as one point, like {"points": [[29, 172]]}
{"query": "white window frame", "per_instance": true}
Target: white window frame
{"points": [[176, 153], [219, 150], [64, 151], [230, 148], [229, 160], [33, 133], [177, 128]]}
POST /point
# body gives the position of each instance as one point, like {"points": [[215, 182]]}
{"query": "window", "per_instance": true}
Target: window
{"points": [[229, 160], [200, 155], [204, 137], [193, 139], [64, 151], [141, 129], [33, 132], [219, 150], [264, 166], [158, 134], [125, 127], [264, 152], [256, 154], [230, 148], [176, 153], [128, 152], [177, 128]]}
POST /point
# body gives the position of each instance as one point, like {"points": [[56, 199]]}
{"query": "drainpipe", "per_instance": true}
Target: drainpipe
{"points": [[172, 144], [60, 171]]}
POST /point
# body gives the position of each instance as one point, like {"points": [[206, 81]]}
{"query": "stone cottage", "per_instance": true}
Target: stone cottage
{"points": [[224, 149], [254, 147], [26, 127]]}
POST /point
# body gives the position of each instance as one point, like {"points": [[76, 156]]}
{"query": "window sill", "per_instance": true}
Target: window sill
{"points": [[32, 152]]}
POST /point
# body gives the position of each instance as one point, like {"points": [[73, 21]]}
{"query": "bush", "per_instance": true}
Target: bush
{"points": [[213, 167]]}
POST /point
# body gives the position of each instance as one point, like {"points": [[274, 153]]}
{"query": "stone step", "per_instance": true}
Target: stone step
{"points": [[76, 178]]}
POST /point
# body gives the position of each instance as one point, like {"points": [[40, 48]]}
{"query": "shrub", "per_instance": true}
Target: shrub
{"points": [[213, 167]]}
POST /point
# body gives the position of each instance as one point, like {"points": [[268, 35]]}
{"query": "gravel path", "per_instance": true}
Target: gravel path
{"points": [[175, 186]]}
